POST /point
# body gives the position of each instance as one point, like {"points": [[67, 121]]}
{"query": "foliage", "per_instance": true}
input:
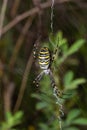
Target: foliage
{"points": [[21, 24], [11, 120], [47, 103], [74, 118]]}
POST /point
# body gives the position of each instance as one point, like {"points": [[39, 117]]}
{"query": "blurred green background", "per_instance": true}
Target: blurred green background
{"points": [[23, 24]]}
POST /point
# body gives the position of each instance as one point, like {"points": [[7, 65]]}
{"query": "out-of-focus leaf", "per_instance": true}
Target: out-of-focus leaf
{"points": [[75, 47], [68, 78], [56, 41], [36, 96], [11, 120], [80, 121], [52, 40], [59, 40], [71, 128], [18, 115], [8, 115], [75, 83], [43, 126], [64, 47], [73, 114], [41, 105]]}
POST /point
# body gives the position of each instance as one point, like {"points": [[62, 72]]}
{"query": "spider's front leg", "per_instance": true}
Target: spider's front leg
{"points": [[38, 78], [54, 53], [35, 51], [35, 48]]}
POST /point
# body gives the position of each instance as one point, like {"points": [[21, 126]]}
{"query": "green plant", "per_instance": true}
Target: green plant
{"points": [[70, 84], [11, 121], [74, 118]]}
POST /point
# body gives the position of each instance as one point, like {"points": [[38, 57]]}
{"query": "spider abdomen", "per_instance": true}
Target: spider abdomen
{"points": [[44, 58]]}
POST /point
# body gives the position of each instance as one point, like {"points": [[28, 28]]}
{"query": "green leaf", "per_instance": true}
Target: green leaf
{"points": [[80, 121], [36, 96], [75, 47], [75, 83], [52, 40], [43, 126], [9, 119], [8, 115], [41, 105], [64, 47], [62, 42], [73, 114], [18, 115], [59, 40], [68, 78], [10, 122], [71, 128]]}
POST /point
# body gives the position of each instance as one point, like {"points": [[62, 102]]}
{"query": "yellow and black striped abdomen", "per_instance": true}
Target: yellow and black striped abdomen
{"points": [[44, 58]]}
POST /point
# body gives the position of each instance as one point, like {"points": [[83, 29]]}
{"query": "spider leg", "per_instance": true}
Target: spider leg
{"points": [[54, 53], [38, 78], [35, 48], [57, 92]]}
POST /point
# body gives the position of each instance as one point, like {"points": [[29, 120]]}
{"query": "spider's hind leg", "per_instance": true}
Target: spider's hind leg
{"points": [[56, 91], [38, 78]]}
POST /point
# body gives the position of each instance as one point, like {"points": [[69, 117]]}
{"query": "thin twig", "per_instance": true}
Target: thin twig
{"points": [[36, 2], [15, 7], [29, 13], [20, 41], [23, 84], [7, 93], [25, 78], [2, 15]]}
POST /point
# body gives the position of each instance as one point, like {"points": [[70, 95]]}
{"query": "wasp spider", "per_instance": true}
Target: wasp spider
{"points": [[45, 59]]}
